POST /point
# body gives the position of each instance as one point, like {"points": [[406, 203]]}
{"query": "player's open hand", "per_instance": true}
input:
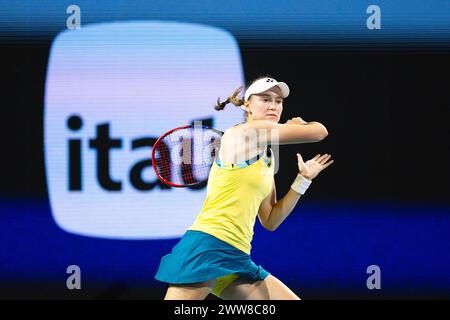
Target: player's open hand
{"points": [[311, 168]]}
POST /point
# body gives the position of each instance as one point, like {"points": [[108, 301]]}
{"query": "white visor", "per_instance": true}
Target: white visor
{"points": [[264, 84]]}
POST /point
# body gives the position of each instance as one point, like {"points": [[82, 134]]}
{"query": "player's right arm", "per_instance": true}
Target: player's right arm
{"points": [[269, 132]]}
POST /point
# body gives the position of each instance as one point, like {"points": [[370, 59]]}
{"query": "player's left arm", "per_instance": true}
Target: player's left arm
{"points": [[271, 212], [267, 205]]}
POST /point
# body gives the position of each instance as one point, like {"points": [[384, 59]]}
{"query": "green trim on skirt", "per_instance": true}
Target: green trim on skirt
{"points": [[200, 257]]}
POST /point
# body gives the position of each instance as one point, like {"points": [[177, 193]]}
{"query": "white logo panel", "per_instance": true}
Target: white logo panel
{"points": [[111, 90]]}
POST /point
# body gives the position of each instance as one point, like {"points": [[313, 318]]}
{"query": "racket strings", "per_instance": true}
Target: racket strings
{"points": [[184, 156]]}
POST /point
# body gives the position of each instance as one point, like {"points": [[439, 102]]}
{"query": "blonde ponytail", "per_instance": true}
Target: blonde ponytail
{"points": [[234, 99]]}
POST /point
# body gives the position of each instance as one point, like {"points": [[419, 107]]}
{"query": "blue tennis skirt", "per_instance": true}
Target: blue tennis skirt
{"points": [[200, 257]]}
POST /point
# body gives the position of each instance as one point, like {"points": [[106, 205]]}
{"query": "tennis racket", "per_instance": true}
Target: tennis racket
{"points": [[183, 156]]}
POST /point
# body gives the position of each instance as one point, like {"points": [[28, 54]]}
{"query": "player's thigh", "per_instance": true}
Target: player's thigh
{"points": [[268, 289], [194, 291]]}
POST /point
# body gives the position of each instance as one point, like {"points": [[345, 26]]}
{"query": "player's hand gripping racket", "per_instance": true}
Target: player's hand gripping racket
{"points": [[182, 157]]}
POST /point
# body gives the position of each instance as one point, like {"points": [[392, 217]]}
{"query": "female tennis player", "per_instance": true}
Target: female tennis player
{"points": [[213, 256]]}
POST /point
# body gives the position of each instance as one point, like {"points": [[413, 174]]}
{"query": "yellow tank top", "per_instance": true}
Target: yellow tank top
{"points": [[234, 194]]}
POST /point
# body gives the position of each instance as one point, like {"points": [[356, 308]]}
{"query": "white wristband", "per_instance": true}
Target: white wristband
{"points": [[300, 184]]}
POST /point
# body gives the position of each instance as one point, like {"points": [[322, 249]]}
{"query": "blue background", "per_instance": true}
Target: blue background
{"points": [[321, 251]]}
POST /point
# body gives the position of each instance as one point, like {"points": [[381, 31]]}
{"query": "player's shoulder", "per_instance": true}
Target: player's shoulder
{"points": [[234, 129], [255, 124]]}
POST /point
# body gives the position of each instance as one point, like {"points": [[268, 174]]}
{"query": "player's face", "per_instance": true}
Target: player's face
{"points": [[267, 105]]}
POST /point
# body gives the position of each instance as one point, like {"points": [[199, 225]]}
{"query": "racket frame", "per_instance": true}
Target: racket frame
{"points": [[156, 145]]}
